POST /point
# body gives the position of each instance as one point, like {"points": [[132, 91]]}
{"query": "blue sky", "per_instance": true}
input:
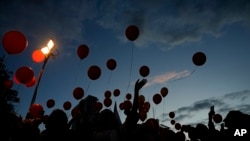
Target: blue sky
{"points": [[170, 33]]}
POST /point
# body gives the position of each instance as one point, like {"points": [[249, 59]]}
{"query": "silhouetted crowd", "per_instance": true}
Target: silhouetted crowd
{"points": [[90, 125]]}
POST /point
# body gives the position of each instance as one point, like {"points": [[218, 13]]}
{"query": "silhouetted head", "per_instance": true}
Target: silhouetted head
{"points": [[57, 121], [236, 119]]}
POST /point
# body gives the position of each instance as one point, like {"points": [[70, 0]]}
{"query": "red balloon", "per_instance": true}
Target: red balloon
{"points": [[83, 51], [50, 103], [128, 96], [177, 126], [127, 105], [78, 93], [116, 92], [172, 122], [107, 94], [164, 91], [36, 111], [94, 72], [157, 98], [144, 71], [132, 32], [199, 58], [111, 64], [217, 118], [121, 106], [107, 102], [98, 106], [66, 105], [38, 56], [24, 74], [8, 84], [171, 115], [14, 42], [74, 112], [32, 82]]}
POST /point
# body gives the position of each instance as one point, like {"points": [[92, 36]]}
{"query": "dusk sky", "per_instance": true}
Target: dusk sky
{"points": [[170, 33]]}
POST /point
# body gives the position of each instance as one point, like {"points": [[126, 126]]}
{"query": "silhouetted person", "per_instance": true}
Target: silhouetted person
{"points": [[56, 127]]}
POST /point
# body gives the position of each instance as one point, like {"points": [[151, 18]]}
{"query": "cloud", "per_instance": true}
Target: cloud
{"points": [[167, 23], [168, 76], [197, 112]]}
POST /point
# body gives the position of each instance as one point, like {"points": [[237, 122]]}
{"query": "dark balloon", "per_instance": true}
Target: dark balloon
{"points": [[111, 64], [8, 84], [107, 102], [217, 118], [50, 103], [164, 91], [14, 42], [132, 32], [171, 115], [78, 93], [128, 96], [199, 58], [157, 98], [144, 71], [83, 51], [66, 105], [116, 92], [94, 72], [107, 94]]}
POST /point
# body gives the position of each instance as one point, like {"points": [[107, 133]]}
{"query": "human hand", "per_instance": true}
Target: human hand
{"points": [[139, 84]]}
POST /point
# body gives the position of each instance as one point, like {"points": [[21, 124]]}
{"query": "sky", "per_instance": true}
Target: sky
{"points": [[170, 33]]}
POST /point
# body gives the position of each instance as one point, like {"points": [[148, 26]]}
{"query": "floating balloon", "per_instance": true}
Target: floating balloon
{"points": [[121, 106], [128, 96], [38, 56], [127, 105], [83, 51], [75, 112], [132, 32], [8, 84], [144, 71], [78, 93], [94, 72], [172, 122], [50, 103], [171, 115], [177, 126], [24, 74], [14, 42], [107, 94], [199, 58], [217, 118], [116, 92], [111, 64], [107, 102], [31, 83], [164, 91], [98, 106], [36, 111], [66, 105], [157, 98]]}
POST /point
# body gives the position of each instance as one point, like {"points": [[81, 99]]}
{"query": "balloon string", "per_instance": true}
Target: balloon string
{"points": [[110, 75], [88, 87], [131, 65]]}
